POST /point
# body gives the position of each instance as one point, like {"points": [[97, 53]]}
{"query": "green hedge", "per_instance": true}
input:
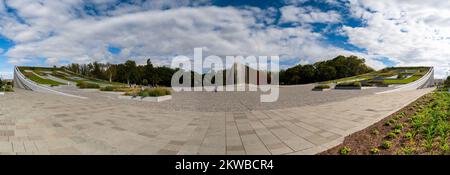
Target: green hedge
{"points": [[349, 84], [151, 92], [86, 85], [322, 86], [107, 88]]}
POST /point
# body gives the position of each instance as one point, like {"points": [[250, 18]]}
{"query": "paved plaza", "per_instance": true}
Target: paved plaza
{"points": [[301, 122]]}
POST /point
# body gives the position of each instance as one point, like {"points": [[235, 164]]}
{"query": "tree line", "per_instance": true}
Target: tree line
{"points": [[131, 73], [128, 72], [339, 67]]}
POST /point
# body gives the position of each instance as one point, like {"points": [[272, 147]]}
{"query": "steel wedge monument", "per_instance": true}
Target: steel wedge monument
{"points": [[223, 87]]}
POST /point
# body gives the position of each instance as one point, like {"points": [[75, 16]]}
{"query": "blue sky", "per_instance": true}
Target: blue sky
{"points": [[385, 33]]}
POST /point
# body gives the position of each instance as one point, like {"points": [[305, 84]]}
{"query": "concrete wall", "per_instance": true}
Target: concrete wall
{"points": [[20, 81], [426, 81]]}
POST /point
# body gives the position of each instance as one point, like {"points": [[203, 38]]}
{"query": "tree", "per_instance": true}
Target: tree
{"points": [[447, 82], [96, 71], [338, 67], [149, 72], [145, 82], [132, 71], [325, 72], [111, 71], [308, 73]]}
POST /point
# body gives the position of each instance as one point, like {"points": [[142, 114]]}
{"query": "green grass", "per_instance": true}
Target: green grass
{"points": [[40, 71], [39, 80], [389, 72], [403, 81], [432, 124]]}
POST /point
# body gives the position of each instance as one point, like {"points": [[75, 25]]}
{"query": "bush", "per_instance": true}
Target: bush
{"points": [[86, 85], [9, 88], [156, 92], [349, 84], [322, 86], [107, 88], [150, 92]]}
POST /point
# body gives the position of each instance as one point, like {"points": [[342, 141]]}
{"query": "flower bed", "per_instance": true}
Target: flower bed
{"points": [[420, 128]]}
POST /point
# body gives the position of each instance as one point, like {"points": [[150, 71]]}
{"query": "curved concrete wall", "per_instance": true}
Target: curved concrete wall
{"points": [[21, 81], [426, 81]]}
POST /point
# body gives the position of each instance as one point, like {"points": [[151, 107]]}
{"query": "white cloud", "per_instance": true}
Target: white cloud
{"points": [[156, 34], [6, 75], [409, 32], [308, 15]]}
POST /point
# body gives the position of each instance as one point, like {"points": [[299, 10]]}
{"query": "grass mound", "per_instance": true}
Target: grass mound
{"points": [[39, 80]]}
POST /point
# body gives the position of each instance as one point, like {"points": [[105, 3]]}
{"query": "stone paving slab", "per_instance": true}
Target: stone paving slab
{"points": [[34, 123]]}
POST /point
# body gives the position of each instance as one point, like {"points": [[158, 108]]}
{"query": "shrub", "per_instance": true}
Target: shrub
{"points": [[156, 92], [107, 88], [386, 144], [349, 84], [9, 88], [345, 150], [145, 82], [322, 86], [86, 85], [150, 92]]}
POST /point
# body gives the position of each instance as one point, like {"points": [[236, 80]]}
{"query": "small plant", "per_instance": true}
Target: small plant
{"points": [[398, 126], [375, 132], [374, 151], [408, 150], [397, 131], [386, 144], [389, 122], [345, 150], [107, 88], [391, 135], [408, 135]]}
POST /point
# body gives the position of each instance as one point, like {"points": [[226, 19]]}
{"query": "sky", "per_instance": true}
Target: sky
{"points": [[384, 32]]}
